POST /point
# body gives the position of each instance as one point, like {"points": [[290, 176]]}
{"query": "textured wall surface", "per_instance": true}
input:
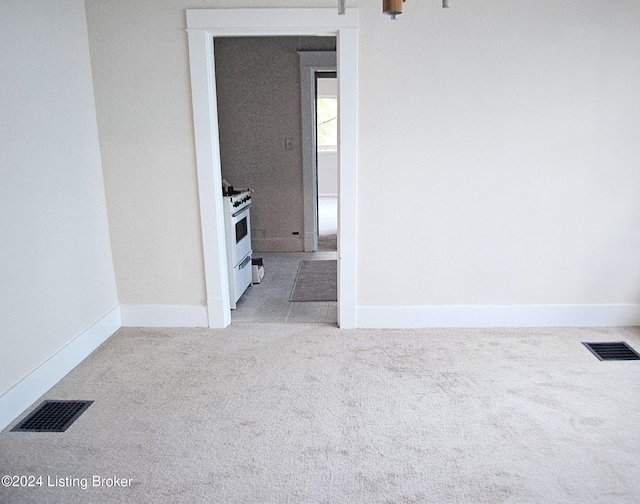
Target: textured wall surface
{"points": [[258, 91]]}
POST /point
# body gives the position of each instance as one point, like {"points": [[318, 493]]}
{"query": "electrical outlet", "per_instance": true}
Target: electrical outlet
{"points": [[288, 143]]}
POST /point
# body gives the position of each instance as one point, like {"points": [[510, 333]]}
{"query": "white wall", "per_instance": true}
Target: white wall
{"points": [[327, 87], [140, 66], [141, 79], [328, 173], [56, 271], [510, 128]]}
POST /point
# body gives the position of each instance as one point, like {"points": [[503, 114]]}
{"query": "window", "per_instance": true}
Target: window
{"points": [[327, 123]]}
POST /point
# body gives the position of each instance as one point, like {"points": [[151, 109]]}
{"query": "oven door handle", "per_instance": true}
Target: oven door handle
{"points": [[234, 215], [244, 263]]}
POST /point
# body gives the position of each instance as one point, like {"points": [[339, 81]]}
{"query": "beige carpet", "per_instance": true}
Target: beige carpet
{"points": [[275, 413]]}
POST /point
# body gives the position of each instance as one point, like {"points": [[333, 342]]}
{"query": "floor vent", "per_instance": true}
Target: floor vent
{"points": [[52, 416], [615, 350]]}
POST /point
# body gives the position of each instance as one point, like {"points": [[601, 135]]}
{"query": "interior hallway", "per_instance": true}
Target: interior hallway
{"points": [[268, 301]]}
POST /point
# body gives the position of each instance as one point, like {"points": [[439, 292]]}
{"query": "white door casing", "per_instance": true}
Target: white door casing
{"points": [[310, 63], [202, 26]]}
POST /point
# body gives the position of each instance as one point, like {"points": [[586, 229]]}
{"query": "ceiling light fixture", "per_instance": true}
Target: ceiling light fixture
{"points": [[390, 7], [394, 7]]}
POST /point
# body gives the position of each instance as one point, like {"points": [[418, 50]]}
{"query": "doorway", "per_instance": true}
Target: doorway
{"points": [[202, 26], [314, 64], [259, 108], [326, 108]]}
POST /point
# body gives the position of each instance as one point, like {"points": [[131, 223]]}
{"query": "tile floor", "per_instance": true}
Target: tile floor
{"points": [[268, 301]]}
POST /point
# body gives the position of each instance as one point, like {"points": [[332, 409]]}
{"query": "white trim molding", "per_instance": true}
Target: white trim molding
{"points": [[164, 316], [310, 63], [205, 118], [40, 380], [425, 316], [203, 25]]}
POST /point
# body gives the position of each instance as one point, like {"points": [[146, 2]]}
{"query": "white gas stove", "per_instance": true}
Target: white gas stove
{"points": [[237, 221]]}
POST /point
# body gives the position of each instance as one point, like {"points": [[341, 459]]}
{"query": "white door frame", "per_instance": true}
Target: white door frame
{"points": [[202, 26], [310, 63]]}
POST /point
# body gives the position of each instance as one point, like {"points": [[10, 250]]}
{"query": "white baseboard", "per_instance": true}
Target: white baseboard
{"points": [[347, 311], [596, 315], [164, 316], [40, 380]]}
